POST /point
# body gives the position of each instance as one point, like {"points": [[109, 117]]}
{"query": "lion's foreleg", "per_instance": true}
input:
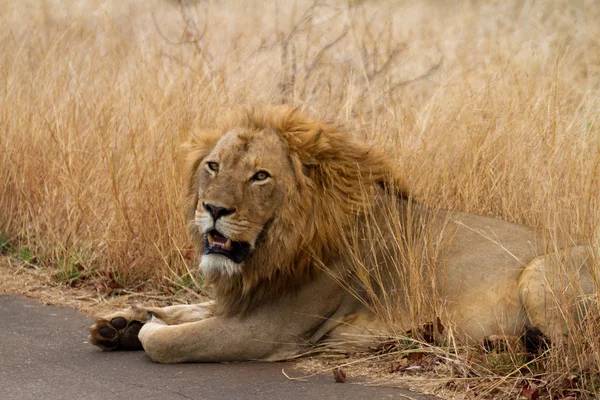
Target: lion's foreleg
{"points": [[274, 331], [215, 339], [119, 330], [179, 314]]}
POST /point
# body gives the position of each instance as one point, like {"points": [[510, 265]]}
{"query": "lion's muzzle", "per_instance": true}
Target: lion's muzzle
{"points": [[217, 243]]}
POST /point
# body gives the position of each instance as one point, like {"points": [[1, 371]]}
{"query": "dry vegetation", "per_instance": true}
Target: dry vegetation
{"points": [[489, 107]]}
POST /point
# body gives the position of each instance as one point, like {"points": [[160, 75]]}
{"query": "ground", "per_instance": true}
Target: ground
{"points": [[45, 354]]}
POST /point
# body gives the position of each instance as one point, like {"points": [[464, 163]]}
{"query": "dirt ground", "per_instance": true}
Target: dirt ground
{"points": [[17, 278]]}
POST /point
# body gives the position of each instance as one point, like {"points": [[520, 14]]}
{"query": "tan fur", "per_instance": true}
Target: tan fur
{"points": [[291, 293]]}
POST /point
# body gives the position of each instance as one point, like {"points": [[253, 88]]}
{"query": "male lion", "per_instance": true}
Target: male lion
{"points": [[279, 206]]}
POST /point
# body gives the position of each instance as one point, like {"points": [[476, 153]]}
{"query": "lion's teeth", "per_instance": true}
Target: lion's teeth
{"points": [[227, 244], [211, 240]]}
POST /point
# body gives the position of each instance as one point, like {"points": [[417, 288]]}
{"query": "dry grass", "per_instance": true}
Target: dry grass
{"points": [[41, 284], [490, 107]]}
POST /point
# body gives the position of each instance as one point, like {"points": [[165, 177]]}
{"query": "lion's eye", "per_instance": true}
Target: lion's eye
{"points": [[260, 176], [213, 166]]}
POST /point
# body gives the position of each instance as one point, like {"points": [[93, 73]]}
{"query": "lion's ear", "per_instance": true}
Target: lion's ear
{"points": [[311, 162], [317, 136], [311, 142]]}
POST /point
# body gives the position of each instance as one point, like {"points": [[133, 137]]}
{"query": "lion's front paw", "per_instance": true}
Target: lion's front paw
{"points": [[119, 331]]}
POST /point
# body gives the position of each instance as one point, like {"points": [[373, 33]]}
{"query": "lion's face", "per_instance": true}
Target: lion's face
{"points": [[242, 183]]}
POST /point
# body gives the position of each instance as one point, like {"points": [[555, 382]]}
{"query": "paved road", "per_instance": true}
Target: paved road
{"points": [[44, 355]]}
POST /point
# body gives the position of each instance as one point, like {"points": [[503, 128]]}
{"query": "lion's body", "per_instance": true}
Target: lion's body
{"points": [[279, 205]]}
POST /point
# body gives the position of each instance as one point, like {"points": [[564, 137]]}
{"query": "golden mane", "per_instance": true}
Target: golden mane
{"points": [[333, 172]]}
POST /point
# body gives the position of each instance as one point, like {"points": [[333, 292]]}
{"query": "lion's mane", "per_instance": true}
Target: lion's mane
{"points": [[333, 175]]}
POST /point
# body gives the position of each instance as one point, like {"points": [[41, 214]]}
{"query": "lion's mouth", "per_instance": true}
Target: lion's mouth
{"points": [[217, 243]]}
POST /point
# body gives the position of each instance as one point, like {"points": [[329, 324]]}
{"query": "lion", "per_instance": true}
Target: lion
{"points": [[276, 202]]}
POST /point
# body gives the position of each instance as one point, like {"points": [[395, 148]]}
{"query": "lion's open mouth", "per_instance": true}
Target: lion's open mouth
{"points": [[216, 243]]}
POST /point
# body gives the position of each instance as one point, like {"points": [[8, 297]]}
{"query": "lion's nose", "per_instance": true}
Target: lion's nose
{"points": [[217, 211]]}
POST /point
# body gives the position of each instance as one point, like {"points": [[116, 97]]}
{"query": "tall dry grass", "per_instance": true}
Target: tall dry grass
{"points": [[489, 107]]}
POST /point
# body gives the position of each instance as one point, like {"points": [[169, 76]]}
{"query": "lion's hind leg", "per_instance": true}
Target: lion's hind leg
{"points": [[119, 331], [558, 294]]}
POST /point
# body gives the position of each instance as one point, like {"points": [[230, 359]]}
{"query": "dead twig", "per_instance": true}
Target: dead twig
{"points": [[427, 74], [292, 378]]}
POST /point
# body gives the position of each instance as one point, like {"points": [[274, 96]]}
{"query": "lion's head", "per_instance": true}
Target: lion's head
{"points": [[270, 196]]}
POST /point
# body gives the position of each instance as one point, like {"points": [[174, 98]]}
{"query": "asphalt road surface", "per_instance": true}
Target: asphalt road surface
{"points": [[44, 354]]}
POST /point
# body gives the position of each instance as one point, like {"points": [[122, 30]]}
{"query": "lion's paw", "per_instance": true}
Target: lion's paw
{"points": [[119, 331]]}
